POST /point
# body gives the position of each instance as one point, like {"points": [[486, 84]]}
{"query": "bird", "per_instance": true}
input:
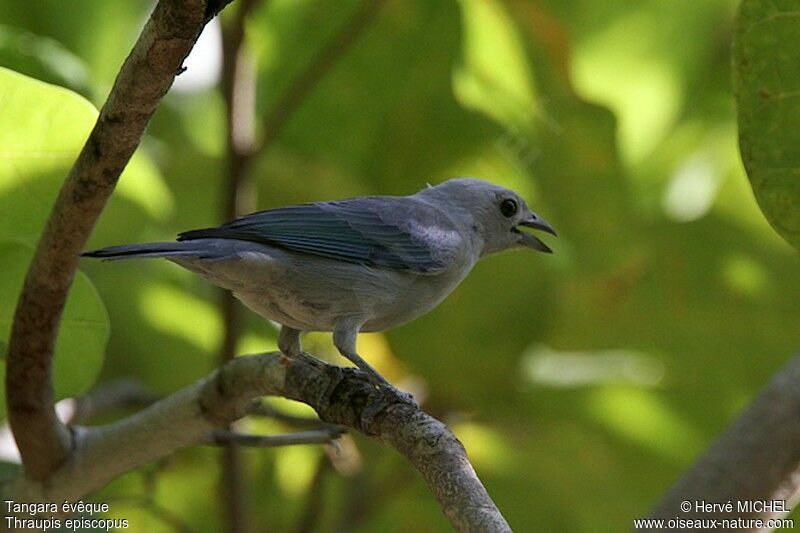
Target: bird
{"points": [[362, 264]]}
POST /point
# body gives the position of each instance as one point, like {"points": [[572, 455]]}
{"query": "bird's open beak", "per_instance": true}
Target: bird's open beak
{"points": [[531, 241]]}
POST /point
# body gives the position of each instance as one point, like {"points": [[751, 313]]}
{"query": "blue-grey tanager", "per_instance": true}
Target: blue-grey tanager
{"points": [[360, 264]]}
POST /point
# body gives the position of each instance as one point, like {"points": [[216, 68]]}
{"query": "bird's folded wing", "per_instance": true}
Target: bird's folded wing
{"points": [[397, 233]]}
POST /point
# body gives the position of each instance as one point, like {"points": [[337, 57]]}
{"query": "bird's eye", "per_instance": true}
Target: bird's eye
{"points": [[508, 207]]}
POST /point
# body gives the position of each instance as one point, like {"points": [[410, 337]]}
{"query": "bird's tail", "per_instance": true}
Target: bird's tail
{"points": [[153, 249]]}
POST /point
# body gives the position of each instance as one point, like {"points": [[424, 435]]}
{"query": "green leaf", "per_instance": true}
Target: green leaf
{"points": [[42, 129], [767, 88], [84, 325]]}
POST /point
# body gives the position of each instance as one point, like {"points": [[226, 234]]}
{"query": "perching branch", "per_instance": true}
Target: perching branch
{"points": [[148, 72], [341, 396], [757, 458]]}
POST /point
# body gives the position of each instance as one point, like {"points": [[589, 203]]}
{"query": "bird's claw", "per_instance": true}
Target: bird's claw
{"points": [[402, 396], [304, 357], [378, 381]]}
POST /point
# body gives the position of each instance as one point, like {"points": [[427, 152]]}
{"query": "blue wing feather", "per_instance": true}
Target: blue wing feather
{"points": [[374, 231]]}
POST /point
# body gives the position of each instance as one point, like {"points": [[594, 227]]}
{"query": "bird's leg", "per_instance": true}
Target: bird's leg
{"points": [[289, 342], [344, 338], [289, 345]]}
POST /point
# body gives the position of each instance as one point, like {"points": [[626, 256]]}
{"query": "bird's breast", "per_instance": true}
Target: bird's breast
{"points": [[420, 294]]}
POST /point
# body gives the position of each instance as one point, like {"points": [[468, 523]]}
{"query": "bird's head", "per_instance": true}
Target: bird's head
{"points": [[494, 214]]}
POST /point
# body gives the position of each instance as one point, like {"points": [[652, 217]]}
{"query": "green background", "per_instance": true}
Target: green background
{"points": [[581, 383]]}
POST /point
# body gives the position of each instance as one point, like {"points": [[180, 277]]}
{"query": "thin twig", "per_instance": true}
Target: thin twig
{"points": [[224, 437], [264, 409], [147, 74]]}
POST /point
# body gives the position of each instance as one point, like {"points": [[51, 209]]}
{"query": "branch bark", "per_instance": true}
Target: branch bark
{"points": [[757, 458], [123, 393], [147, 73], [341, 396]]}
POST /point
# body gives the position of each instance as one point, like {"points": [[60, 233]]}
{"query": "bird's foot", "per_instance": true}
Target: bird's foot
{"points": [[304, 357], [310, 359], [387, 388], [382, 384], [403, 396], [378, 381]]}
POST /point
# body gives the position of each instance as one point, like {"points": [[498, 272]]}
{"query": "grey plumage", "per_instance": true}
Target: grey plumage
{"points": [[360, 264]]}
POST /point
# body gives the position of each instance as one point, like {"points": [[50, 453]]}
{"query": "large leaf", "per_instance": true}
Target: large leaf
{"points": [[42, 127], [84, 324], [767, 87]]}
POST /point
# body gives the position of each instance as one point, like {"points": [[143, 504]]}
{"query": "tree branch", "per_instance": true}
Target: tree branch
{"points": [[147, 73], [123, 393], [342, 396], [755, 458]]}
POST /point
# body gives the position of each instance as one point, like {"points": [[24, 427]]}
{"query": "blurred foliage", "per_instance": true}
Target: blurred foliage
{"points": [[41, 129], [581, 383]]}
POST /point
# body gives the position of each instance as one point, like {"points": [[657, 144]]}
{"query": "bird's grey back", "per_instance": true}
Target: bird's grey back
{"points": [[404, 233]]}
